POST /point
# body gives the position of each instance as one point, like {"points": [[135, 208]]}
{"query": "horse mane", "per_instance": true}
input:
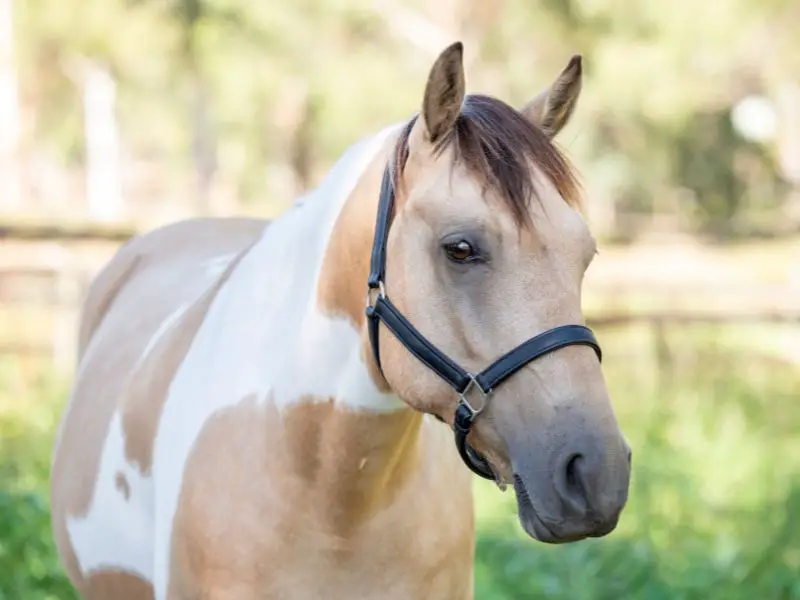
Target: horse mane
{"points": [[497, 144]]}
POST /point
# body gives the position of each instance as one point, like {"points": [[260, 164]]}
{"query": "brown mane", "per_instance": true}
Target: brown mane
{"points": [[497, 144]]}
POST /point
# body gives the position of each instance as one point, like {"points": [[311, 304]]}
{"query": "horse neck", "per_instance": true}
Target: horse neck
{"points": [[349, 439]]}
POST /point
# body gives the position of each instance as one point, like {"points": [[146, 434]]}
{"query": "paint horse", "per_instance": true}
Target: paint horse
{"points": [[245, 425]]}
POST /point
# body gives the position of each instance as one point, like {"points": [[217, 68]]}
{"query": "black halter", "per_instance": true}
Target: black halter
{"points": [[380, 308]]}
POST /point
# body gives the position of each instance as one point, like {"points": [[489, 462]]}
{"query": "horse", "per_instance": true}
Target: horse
{"points": [[296, 408]]}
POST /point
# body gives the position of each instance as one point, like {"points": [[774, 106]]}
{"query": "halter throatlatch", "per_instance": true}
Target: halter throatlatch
{"points": [[474, 391]]}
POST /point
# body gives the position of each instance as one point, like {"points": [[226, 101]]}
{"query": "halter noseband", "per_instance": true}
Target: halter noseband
{"points": [[380, 308]]}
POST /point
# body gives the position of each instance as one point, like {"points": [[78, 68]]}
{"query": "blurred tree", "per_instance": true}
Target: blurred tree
{"points": [[9, 111], [221, 87], [188, 16]]}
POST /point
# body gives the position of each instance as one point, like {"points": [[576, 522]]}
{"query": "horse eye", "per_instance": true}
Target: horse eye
{"points": [[460, 251]]}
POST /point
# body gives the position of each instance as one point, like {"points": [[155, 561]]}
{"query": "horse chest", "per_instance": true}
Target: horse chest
{"points": [[265, 552], [251, 523]]}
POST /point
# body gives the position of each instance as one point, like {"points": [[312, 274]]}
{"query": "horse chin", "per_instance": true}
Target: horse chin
{"points": [[532, 524]]}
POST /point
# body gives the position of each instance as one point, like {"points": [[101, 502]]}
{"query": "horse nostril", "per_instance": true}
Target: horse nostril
{"points": [[572, 472], [570, 485]]}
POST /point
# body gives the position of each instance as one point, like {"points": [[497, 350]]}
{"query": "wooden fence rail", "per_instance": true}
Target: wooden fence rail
{"points": [[53, 295], [83, 231], [679, 318]]}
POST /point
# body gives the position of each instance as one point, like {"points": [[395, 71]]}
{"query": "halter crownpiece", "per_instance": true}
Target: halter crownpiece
{"points": [[479, 387]]}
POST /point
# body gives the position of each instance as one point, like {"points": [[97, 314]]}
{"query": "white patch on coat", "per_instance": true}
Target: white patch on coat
{"points": [[117, 531], [214, 267], [264, 335]]}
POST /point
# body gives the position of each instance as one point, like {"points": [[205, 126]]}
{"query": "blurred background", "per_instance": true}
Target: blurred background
{"points": [[120, 115]]}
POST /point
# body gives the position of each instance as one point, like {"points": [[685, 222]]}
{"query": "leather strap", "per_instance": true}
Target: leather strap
{"points": [[415, 342], [451, 372], [461, 426], [377, 263], [544, 343]]}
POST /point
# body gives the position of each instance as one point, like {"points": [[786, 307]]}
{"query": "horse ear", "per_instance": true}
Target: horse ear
{"points": [[444, 92], [552, 109]]}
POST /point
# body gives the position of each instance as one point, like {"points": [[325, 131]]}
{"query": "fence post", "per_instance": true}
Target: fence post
{"points": [[10, 182], [103, 185]]}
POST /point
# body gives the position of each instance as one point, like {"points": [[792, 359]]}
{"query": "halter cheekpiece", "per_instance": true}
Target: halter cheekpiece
{"points": [[380, 308]]}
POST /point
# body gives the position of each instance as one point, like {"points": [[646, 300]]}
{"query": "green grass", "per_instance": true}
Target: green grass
{"points": [[714, 509], [30, 400]]}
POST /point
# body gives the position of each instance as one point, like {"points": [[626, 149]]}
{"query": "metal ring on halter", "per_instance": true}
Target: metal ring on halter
{"points": [[473, 383], [371, 296]]}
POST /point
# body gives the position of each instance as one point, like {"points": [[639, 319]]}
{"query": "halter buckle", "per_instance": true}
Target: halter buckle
{"points": [[484, 395], [373, 293]]}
